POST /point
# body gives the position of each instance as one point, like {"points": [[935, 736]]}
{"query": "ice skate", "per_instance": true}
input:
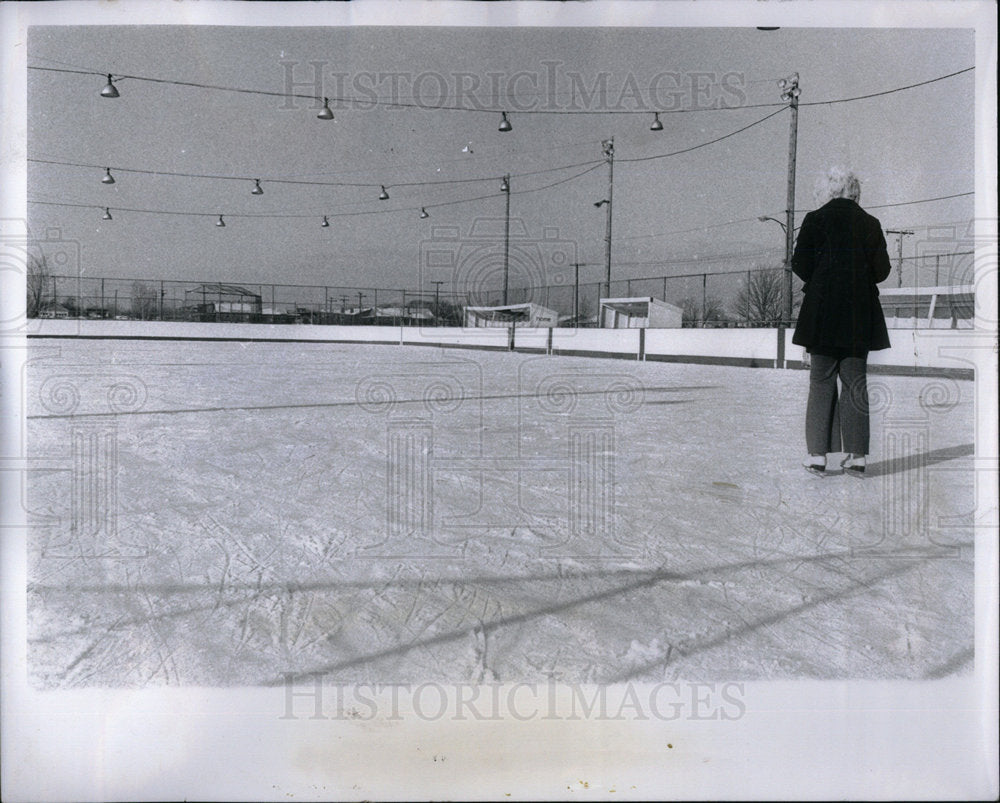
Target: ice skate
{"points": [[854, 465], [815, 464]]}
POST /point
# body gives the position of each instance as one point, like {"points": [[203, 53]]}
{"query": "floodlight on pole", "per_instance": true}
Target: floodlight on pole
{"points": [[790, 93]]}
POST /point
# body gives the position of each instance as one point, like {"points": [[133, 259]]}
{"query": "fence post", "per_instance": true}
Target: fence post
{"points": [[704, 298], [748, 299]]}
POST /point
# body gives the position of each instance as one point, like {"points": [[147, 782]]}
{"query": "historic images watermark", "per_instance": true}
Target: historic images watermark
{"points": [[521, 702], [552, 87]]}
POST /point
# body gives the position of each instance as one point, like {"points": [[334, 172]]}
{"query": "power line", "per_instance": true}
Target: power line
{"points": [[267, 180], [703, 144], [280, 215], [923, 200], [369, 102], [887, 91], [300, 182]]}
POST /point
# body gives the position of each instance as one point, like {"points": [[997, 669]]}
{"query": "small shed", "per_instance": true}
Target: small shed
{"points": [[944, 307], [223, 298], [527, 315], [641, 312]]}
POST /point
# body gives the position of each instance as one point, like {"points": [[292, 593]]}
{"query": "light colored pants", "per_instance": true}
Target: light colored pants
{"points": [[837, 422]]}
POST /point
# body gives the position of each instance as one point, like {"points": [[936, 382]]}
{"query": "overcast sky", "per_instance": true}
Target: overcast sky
{"points": [[906, 146]]}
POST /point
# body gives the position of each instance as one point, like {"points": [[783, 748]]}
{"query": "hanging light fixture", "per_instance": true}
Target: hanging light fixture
{"points": [[505, 184], [108, 178], [326, 114], [107, 214], [220, 223], [423, 214], [326, 223], [383, 196], [257, 189], [505, 123], [109, 90], [657, 125]]}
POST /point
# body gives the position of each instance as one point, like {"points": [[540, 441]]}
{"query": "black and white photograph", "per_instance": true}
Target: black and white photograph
{"points": [[474, 401]]}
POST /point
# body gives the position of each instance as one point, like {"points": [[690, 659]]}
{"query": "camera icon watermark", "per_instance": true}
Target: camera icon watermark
{"points": [[960, 262], [494, 264], [44, 271]]}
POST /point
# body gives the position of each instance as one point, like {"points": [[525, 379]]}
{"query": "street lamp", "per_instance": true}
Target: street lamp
{"points": [[763, 218]]}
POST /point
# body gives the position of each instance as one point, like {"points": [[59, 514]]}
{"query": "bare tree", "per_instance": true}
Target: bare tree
{"points": [[702, 312], [38, 285], [761, 299], [144, 304]]}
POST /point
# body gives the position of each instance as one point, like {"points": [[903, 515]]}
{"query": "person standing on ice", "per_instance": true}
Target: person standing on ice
{"points": [[841, 256]]}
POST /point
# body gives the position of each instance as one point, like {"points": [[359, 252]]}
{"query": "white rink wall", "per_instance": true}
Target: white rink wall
{"points": [[751, 347], [923, 351]]}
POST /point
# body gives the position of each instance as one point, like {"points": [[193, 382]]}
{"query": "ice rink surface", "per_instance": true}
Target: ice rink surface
{"points": [[225, 513]]}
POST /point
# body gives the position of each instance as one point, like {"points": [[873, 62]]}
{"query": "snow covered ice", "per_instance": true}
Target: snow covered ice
{"points": [[224, 513]]}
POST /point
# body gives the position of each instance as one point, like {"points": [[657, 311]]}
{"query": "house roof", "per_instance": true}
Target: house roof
{"points": [[228, 289]]}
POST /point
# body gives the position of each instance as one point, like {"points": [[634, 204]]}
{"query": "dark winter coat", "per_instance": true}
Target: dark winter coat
{"points": [[841, 256]]}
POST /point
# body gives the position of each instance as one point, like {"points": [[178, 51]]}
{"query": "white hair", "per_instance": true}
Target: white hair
{"points": [[839, 182]]}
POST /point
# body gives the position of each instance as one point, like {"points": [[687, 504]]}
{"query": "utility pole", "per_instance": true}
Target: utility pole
{"points": [[437, 304], [505, 188], [576, 295], [790, 92], [609, 154], [899, 265]]}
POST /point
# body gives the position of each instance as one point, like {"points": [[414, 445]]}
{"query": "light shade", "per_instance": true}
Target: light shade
{"points": [[109, 90], [108, 178], [257, 189], [326, 114], [383, 196], [220, 222], [505, 123]]}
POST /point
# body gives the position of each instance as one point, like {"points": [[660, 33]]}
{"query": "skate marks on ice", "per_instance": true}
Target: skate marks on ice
{"points": [[257, 541]]}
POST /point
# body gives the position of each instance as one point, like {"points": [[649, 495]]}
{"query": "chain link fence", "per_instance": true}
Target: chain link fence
{"points": [[742, 298]]}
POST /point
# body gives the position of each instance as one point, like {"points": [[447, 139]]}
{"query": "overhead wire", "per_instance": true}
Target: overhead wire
{"points": [[368, 102]]}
